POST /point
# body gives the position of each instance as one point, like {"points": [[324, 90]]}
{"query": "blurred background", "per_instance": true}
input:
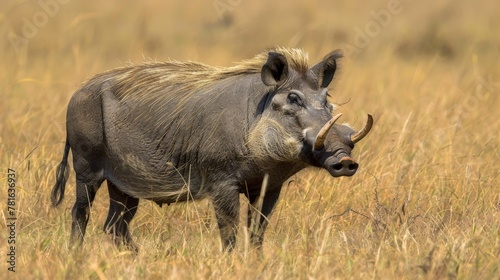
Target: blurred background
{"points": [[95, 33]]}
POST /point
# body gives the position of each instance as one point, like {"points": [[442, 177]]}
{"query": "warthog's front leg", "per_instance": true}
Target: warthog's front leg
{"points": [[227, 207], [259, 214]]}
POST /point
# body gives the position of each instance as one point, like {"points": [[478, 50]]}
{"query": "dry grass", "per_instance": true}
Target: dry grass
{"points": [[425, 203]]}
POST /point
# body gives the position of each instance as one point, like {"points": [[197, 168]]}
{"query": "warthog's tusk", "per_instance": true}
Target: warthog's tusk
{"points": [[320, 139], [364, 131]]}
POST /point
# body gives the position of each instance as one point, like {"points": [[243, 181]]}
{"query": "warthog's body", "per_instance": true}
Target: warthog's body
{"points": [[174, 131]]}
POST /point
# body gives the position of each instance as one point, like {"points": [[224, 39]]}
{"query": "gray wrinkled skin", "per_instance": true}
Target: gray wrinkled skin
{"points": [[153, 137]]}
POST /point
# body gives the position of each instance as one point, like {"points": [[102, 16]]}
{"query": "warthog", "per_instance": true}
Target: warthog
{"points": [[178, 131]]}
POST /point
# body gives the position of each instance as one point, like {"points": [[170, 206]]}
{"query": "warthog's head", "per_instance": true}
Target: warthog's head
{"points": [[297, 123]]}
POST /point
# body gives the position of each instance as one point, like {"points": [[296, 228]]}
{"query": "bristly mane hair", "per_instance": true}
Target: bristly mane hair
{"points": [[188, 76]]}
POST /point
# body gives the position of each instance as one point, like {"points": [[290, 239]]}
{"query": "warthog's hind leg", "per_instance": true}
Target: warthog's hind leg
{"points": [[87, 184], [122, 208]]}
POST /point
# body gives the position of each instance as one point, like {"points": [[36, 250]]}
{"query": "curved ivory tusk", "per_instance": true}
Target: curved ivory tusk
{"points": [[364, 131], [320, 139]]}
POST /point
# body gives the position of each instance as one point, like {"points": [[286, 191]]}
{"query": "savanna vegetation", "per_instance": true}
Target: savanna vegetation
{"points": [[425, 203]]}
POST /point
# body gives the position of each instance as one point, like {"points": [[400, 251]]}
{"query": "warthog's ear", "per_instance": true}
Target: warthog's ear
{"points": [[325, 69], [275, 71]]}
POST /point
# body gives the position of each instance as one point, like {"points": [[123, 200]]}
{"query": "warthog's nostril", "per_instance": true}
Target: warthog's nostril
{"points": [[338, 166], [353, 166]]}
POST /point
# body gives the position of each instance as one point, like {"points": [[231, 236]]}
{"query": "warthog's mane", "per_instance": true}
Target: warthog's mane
{"points": [[187, 77], [160, 96]]}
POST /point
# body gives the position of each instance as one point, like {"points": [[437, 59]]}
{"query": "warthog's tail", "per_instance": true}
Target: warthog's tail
{"points": [[61, 178]]}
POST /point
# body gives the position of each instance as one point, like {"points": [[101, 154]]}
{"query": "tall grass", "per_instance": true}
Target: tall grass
{"points": [[424, 204]]}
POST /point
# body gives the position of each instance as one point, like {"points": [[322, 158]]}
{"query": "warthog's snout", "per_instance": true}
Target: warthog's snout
{"points": [[336, 158], [340, 164], [346, 166]]}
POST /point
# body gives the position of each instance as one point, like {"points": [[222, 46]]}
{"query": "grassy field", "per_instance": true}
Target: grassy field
{"points": [[425, 203]]}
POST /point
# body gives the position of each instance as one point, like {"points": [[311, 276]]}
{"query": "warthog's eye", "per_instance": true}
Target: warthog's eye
{"points": [[294, 98]]}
